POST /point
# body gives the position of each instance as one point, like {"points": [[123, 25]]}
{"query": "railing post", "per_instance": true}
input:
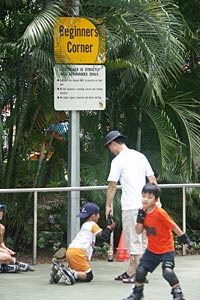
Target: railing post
{"points": [[184, 216], [35, 229]]}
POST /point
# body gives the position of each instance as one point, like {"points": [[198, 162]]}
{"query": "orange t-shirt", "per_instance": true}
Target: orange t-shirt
{"points": [[158, 225]]}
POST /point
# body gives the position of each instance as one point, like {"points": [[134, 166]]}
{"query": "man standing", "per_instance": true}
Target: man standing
{"points": [[130, 168]]}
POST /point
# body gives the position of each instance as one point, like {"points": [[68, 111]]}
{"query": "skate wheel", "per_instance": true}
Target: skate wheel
{"points": [[68, 282]]}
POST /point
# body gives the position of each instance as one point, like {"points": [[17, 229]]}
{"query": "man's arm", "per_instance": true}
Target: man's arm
{"points": [[152, 179], [111, 190]]}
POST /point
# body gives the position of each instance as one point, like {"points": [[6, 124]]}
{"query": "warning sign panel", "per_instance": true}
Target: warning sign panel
{"points": [[79, 87], [79, 41]]}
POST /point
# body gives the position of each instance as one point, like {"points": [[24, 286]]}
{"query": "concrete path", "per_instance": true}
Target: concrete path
{"points": [[35, 285]]}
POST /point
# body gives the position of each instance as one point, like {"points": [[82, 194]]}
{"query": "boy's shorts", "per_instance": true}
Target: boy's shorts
{"points": [[77, 260], [150, 260], [135, 243]]}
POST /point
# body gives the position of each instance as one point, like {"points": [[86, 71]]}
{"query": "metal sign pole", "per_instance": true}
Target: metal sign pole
{"points": [[73, 223], [73, 174]]}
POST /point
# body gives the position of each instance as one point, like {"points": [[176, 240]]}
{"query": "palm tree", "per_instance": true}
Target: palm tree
{"points": [[26, 77], [146, 44]]}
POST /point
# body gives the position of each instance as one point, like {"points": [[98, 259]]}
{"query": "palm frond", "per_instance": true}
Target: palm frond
{"points": [[184, 109], [144, 39], [167, 136], [40, 30]]}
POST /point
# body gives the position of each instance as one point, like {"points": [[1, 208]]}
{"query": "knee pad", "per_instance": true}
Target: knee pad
{"points": [[141, 274], [168, 273], [89, 276]]}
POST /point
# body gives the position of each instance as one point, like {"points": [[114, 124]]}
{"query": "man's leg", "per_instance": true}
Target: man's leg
{"points": [[133, 243]]}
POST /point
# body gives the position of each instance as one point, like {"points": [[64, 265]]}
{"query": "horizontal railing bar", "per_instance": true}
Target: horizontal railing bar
{"points": [[86, 188]]}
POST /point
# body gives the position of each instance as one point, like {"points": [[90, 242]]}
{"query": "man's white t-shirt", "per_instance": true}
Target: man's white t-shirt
{"points": [[130, 168], [86, 237]]}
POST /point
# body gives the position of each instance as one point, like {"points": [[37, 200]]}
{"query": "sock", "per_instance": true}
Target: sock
{"points": [[14, 260]]}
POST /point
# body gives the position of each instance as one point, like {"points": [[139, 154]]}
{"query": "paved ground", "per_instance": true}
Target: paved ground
{"points": [[35, 286]]}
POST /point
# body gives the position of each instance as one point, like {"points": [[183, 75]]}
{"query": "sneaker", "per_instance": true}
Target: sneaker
{"points": [[24, 267], [122, 276]]}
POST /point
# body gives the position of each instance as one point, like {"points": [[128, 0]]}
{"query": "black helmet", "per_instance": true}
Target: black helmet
{"points": [[111, 136]]}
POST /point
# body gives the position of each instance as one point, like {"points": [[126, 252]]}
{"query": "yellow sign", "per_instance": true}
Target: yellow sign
{"points": [[79, 41]]}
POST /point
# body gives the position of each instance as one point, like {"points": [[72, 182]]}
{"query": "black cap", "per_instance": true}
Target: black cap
{"points": [[111, 136]]}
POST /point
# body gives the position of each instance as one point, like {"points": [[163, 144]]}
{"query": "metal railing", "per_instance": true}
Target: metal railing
{"points": [[87, 188]]}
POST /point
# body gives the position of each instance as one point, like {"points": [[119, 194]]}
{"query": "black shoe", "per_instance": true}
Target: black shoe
{"points": [[130, 279], [122, 276]]}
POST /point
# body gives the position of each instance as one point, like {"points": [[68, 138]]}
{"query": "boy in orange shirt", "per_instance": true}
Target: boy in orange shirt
{"points": [[159, 228]]}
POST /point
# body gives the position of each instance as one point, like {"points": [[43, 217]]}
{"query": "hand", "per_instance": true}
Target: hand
{"points": [[141, 216], [111, 226], [12, 253], [111, 221], [108, 211]]}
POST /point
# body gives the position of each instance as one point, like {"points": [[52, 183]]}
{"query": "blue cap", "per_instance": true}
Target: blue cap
{"points": [[88, 209], [2, 206]]}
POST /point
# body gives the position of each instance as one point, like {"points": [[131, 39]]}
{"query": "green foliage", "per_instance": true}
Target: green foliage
{"points": [[101, 250], [9, 242], [196, 243], [50, 240], [152, 64]]}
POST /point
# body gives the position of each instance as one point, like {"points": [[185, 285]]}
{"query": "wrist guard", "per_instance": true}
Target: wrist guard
{"points": [[185, 240], [140, 216], [106, 234]]}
